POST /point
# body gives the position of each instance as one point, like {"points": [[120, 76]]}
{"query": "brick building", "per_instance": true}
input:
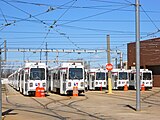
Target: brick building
{"points": [[149, 57]]}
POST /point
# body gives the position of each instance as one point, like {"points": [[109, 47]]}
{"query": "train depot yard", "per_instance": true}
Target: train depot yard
{"points": [[91, 105], [98, 64]]}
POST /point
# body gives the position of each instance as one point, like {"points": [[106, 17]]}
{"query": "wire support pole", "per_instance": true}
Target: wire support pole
{"points": [[46, 54], [138, 106], [109, 60]]}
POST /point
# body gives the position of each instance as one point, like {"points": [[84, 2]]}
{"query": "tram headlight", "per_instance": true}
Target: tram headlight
{"points": [[43, 84], [104, 83], [82, 84], [30, 84], [96, 83], [119, 82], [69, 84]]}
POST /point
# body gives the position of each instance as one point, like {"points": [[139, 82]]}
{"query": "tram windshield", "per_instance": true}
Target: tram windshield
{"points": [[146, 76], [37, 74], [75, 73], [123, 76], [100, 76]]}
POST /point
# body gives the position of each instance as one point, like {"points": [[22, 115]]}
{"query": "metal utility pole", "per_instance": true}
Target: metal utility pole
{"points": [[109, 72], [57, 57], [121, 60], [0, 89], [116, 62], [138, 108], [46, 54], [40, 56]]}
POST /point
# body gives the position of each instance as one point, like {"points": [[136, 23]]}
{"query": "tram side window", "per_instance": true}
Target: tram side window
{"points": [[85, 75], [22, 76], [54, 76], [58, 75], [26, 77], [131, 76], [49, 77], [19, 77], [93, 77], [47, 72], [64, 76], [15, 76]]}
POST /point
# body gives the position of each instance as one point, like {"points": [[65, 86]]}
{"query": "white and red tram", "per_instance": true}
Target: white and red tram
{"points": [[145, 78], [120, 78], [64, 77], [97, 79], [27, 78]]}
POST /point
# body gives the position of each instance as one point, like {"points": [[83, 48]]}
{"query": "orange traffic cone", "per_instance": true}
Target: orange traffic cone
{"points": [[125, 87], [142, 87], [75, 91], [38, 92], [42, 92]]}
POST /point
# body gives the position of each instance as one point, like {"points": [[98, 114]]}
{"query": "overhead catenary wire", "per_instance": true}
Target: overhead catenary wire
{"points": [[153, 33], [30, 3], [128, 1], [24, 11], [3, 16], [89, 20], [52, 25], [90, 16], [150, 18], [106, 1], [62, 34], [94, 29], [48, 31]]}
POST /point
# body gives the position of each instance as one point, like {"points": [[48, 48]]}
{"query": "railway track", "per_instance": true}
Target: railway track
{"points": [[149, 97], [152, 98], [65, 107], [53, 107]]}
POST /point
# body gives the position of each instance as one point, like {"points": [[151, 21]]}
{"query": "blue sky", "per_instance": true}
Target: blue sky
{"points": [[74, 24]]}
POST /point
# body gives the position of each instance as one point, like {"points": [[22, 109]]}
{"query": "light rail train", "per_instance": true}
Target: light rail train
{"points": [[120, 78], [145, 78], [27, 78], [97, 79], [63, 78]]}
